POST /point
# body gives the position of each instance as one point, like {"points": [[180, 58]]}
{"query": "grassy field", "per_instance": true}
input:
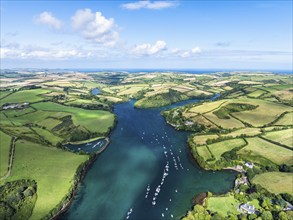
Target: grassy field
{"points": [[223, 205], [258, 148], [33, 95], [207, 106], [275, 182], [4, 152], [287, 119], [204, 152], [230, 123], [244, 131], [15, 113], [51, 168], [47, 135], [284, 137], [256, 93], [4, 93], [219, 148], [93, 120], [201, 139], [265, 113]]}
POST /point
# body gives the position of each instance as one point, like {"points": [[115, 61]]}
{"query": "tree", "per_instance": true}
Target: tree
{"points": [[266, 215]]}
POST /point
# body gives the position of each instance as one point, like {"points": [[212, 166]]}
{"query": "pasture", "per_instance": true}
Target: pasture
{"points": [[201, 139], [223, 205], [258, 148], [92, 120], [217, 149], [53, 170], [265, 113], [275, 182], [32, 95], [204, 152], [4, 152], [243, 131], [283, 137], [287, 119]]}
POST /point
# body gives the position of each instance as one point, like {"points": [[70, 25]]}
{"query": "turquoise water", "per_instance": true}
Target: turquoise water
{"points": [[128, 176]]}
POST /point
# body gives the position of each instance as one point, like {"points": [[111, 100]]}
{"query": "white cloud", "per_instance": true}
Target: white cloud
{"points": [[48, 19], [148, 49], [155, 5], [196, 50], [184, 54], [41, 53], [95, 27]]}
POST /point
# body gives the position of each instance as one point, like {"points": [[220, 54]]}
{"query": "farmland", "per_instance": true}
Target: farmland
{"points": [[275, 182], [51, 168], [4, 153], [247, 120], [258, 148]]}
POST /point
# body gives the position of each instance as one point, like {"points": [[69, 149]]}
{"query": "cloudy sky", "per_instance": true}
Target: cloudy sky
{"points": [[147, 34]]}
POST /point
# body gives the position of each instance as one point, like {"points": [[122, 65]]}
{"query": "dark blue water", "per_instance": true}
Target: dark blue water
{"points": [[144, 153], [89, 147]]}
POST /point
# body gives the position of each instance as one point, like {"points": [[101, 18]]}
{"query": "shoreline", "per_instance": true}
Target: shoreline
{"points": [[81, 176]]}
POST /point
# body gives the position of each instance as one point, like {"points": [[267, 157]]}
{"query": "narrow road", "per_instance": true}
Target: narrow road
{"points": [[12, 150]]}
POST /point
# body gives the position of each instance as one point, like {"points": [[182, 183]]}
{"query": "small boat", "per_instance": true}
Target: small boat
{"points": [[154, 202], [176, 190], [171, 216], [163, 215], [166, 209]]}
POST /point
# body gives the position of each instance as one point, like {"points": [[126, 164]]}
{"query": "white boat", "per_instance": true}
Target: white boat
{"points": [[154, 202], [163, 215]]}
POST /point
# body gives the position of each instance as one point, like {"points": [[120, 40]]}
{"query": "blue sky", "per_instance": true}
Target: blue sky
{"points": [[147, 34]]}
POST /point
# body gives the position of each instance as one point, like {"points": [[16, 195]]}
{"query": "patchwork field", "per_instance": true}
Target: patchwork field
{"points": [[53, 170], [258, 148], [219, 148], [265, 113], [93, 120], [244, 131], [287, 119], [282, 137], [275, 182], [33, 95], [202, 139]]}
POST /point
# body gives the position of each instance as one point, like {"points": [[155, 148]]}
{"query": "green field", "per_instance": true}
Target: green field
{"points": [[287, 119], [258, 148], [33, 95], [4, 93], [244, 131], [284, 137], [93, 120], [47, 135], [265, 113], [15, 113], [230, 123], [256, 93], [201, 139], [204, 152], [275, 182], [223, 205], [217, 149], [4, 152], [53, 170]]}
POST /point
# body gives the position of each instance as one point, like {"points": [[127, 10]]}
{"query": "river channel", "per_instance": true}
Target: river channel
{"points": [[145, 172]]}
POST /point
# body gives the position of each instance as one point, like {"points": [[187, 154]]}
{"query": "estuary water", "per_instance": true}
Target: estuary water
{"points": [[145, 173]]}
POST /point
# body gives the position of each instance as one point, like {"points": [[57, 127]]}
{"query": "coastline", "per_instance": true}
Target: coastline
{"points": [[73, 191]]}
